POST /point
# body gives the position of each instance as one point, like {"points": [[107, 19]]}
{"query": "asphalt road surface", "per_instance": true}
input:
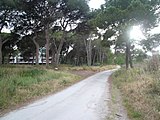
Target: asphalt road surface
{"points": [[86, 100]]}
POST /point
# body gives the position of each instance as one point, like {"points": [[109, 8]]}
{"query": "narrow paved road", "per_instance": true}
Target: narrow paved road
{"points": [[85, 100]]}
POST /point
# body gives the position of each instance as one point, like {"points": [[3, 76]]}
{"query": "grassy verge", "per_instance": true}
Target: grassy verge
{"points": [[113, 104], [116, 108], [92, 68], [141, 93], [19, 85]]}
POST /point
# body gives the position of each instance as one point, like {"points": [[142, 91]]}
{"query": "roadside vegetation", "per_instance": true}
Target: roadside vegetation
{"points": [[20, 84], [24, 83], [115, 104], [90, 68], [56, 32], [140, 88]]}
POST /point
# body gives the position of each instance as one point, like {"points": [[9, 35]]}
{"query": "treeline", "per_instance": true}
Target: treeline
{"points": [[68, 32]]}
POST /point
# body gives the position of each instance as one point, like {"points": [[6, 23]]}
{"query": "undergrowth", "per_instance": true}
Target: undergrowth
{"points": [[20, 84], [141, 92], [91, 68]]}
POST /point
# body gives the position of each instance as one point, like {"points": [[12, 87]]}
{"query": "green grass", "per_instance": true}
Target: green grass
{"points": [[140, 90], [132, 112], [114, 103], [20, 84]]}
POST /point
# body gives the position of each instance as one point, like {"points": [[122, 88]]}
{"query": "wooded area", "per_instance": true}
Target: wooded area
{"points": [[66, 31]]}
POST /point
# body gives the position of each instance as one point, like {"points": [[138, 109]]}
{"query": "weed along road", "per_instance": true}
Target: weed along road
{"points": [[85, 100]]}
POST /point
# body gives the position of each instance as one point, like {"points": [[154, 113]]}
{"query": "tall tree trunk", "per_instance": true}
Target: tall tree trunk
{"points": [[1, 44], [103, 56], [54, 51], [127, 55], [53, 55], [0, 51], [94, 58], [130, 56], [88, 45], [57, 57], [90, 53], [33, 59], [47, 44], [37, 49], [100, 55], [78, 60]]}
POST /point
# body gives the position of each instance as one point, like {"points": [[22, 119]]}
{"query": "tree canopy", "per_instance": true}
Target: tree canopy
{"points": [[65, 27]]}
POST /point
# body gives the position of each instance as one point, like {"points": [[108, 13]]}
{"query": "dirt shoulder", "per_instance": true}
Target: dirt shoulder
{"points": [[116, 108]]}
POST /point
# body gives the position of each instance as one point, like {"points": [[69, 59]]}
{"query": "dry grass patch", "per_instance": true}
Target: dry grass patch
{"points": [[21, 85], [92, 68], [136, 86]]}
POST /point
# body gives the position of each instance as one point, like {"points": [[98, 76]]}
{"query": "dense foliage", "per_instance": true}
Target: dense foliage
{"points": [[66, 31]]}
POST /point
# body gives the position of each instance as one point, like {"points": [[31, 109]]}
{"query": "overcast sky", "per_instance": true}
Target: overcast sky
{"points": [[95, 4]]}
